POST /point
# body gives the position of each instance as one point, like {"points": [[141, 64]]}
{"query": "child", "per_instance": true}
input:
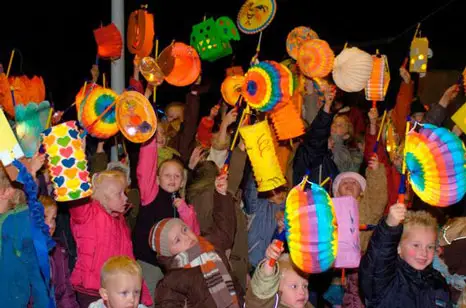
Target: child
{"points": [[120, 284], [197, 268], [397, 268], [159, 199], [64, 293], [20, 275], [101, 232], [279, 285]]}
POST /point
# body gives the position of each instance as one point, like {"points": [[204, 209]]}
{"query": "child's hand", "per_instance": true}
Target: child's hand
{"points": [[37, 161], [221, 184], [272, 252], [373, 115], [178, 202], [405, 75], [374, 162], [280, 218], [396, 214], [95, 72], [230, 117], [197, 155]]}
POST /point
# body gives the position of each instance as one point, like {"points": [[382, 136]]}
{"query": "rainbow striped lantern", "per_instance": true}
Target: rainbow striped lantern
{"points": [[266, 84], [311, 228], [93, 107], [435, 160]]}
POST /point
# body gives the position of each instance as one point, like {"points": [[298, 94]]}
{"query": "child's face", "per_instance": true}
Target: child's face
{"points": [[278, 198], [50, 218], [294, 289], [349, 187], [181, 238], [417, 247], [115, 196], [161, 137], [339, 127], [418, 117], [170, 177], [122, 291], [174, 113]]}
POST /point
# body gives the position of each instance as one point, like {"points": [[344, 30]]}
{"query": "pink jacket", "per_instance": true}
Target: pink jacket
{"points": [[149, 188], [98, 236]]}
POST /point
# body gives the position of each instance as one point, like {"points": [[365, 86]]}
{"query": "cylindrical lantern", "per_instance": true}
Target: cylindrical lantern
{"points": [[352, 69], [67, 162], [261, 152], [377, 84]]}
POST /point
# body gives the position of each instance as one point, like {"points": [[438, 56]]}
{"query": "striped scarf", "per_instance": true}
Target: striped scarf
{"points": [[215, 273]]}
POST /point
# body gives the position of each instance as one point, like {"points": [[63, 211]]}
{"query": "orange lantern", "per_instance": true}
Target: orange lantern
{"points": [[180, 63], [140, 33], [109, 42], [5, 96], [315, 58], [377, 84], [25, 91], [82, 95], [231, 89]]}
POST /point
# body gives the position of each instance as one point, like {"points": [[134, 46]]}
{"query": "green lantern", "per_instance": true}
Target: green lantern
{"points": [[212, 38]]}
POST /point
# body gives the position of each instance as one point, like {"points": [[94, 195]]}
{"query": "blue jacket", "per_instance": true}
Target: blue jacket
{"points": [[262, 223], [388, 281], [20, 276]]}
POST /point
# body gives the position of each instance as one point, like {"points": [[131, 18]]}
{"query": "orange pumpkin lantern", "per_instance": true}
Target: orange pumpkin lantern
{"points": [[109, 42], [141, 33], [315, 58], [180, 63], [231, 88]]}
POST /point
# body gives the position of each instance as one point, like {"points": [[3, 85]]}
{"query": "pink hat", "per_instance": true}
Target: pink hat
{"points": [[353, 175]]}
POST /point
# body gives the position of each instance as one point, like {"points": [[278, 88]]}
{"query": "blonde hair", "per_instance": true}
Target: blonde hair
{"points": [[349, 124], [174, 161], [5, 183], [119, 265], [419, 218], [285, 263], [47, 201], [99, 179]]}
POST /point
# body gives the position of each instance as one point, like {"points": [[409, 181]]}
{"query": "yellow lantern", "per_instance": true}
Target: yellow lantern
{"points": [[418, 55]]}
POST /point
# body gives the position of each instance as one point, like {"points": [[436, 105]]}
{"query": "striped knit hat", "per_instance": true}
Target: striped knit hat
{"points": [[158, 235]]}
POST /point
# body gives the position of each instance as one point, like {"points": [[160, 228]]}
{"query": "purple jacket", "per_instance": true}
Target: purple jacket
{"points": [[64, 293]]}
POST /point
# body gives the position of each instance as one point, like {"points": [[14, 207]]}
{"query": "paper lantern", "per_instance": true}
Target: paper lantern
{"points": [[212, 38], [391, 140], [255, 15], [349, 247], [377, 84], [287, 121], [9, 147], [261, 153], [26, 90], [6, 101], [81, 96], [266, 84], [67, 162], [180, 64], [109, 42], [140, 36], [311, 229], [136, 118], [31, 120], [151, 71], [231, 89], [292, 66], [352, 69], [296, 38], [315, 58], [97, 102], [418, 55], [459, 117], [435, 160]]}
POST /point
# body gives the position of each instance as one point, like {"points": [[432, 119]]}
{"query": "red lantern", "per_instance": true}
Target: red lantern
{"points": [[109, 42]]}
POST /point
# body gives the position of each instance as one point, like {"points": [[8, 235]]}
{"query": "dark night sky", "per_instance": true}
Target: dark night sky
{"points": [[56, 39]]}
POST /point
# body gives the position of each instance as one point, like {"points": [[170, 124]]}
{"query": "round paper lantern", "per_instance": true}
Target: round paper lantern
{"points": [[261, 153], [291, 65], [352, 69], [255, 15], [296, 38], [97, 102], [315, 58], [140, 36], [151, 71], [67, 162], [311, 228], [435, 160], [136, 118], [231, 88], [180, 64]]}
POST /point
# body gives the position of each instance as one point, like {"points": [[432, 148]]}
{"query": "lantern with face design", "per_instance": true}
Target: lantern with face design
{"points": [[212, 38]]}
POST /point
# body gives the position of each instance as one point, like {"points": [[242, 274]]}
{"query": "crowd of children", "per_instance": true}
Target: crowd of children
{"points": [[184, 233]]}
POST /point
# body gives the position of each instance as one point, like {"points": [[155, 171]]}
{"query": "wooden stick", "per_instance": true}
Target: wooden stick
{"points": [[10, 63], [325, 181]]}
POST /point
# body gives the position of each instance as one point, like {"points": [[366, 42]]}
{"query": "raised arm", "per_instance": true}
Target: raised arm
{"points": [[147, 172]]}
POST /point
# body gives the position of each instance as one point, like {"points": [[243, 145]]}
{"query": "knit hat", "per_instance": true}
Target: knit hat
{"points": [[158, 235], [345, 175], [417, 106]]}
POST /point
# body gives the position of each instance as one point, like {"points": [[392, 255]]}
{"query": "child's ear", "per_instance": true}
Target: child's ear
{"points": [[103, 294]]}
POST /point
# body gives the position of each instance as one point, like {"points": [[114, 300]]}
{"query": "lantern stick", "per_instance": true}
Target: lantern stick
{"points": [[380, 131], [325, 181], [245, 111], [154, 97], [103, 113], [49, 119], [10, 63], [103, 80], [402, 187]]}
